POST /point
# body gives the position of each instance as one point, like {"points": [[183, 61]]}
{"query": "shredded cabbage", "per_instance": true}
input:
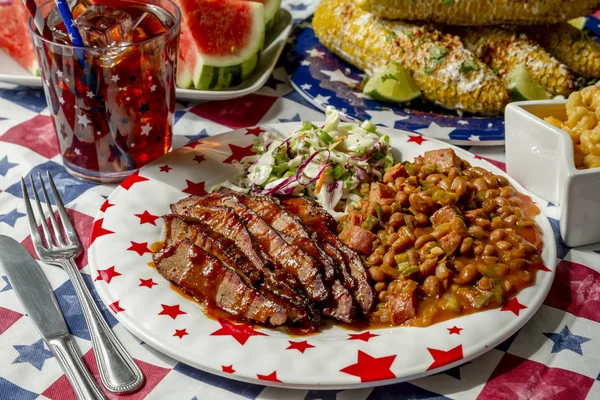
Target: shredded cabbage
{"points": [[329, 164]]}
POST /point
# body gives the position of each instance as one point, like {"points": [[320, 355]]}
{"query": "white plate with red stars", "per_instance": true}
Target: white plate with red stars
{"points": [[129, 223]]}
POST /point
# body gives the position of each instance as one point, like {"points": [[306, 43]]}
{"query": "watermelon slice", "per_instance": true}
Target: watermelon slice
{"points": [[271, 12], [220, 42], [14, 34]]}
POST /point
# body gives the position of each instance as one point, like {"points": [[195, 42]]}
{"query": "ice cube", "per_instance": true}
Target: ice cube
{"points": [[148, 25], [102, 26], [56, 24]]}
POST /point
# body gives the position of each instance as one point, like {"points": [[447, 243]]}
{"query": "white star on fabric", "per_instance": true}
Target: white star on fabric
{"points": [[586, 290], [322, 99], [77, 151], [306, 86], [59, 73], [115, 78], [490, 125], [338, 76], [61, 100], [90, 94], [385, 118], [315, 53], [463, 122], [436, 131], [83, 120], [305, 63], [152, 88], [535, 388], [146, 129], [474, 138]]}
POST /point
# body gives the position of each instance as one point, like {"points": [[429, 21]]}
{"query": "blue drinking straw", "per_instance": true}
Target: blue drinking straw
{"points": [[65, 13]]}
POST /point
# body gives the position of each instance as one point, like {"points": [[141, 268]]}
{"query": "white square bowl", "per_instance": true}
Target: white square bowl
{"points": [[540, 157]]}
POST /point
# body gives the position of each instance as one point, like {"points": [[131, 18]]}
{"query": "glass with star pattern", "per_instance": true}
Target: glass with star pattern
{"points": [[112, 104]]}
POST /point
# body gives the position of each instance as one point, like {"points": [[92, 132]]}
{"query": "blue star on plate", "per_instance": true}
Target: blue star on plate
{"points": [[6, 287], [298, 7], [566, 340], [35, 354], [5, 165], [295, 118], [11, 218], [197, 137], [144, 108]]}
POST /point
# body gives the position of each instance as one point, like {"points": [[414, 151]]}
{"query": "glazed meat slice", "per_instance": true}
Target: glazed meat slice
{"points": [[229, 254], [290, 228], [290, 258], [341, 305], [443, 158], [226, 222], [319, 221], [206, 278], [214, 243]]}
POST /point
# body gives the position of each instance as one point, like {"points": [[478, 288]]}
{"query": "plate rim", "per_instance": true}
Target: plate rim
{"points": [[549, 244]]}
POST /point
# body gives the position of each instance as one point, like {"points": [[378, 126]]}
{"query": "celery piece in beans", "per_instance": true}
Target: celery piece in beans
{"points": [[370, 223]]}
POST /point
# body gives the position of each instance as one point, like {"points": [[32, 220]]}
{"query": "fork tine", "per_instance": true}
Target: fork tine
{"points": [[64, 217], [45, 227], [57, 231], [33, 226]]}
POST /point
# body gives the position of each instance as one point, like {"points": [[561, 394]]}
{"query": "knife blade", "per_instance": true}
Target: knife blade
{"points": [[32, 288], [37, 297]]}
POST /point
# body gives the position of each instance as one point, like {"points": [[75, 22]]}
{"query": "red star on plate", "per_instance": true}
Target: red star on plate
{"points": [[105, 206], [541, 267], [147, 218], [149, 283], [140, 248], [240, 332], [271, 377], [228, 369], [180, 333], [364, 336], [441, 357], [194, 188], [132, 180], [199, 158], [300, 346], [165, 168], [514, 306], [454, 330], [116, 307], [237, 153], [418, 139], [98, 230], [370, 369], [194, 144], [107, 275], [171, 311], [254, 131]]}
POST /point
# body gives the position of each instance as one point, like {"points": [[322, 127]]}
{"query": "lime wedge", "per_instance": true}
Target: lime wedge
{"points": [[392, 83], [523, 87], [578, 23]]}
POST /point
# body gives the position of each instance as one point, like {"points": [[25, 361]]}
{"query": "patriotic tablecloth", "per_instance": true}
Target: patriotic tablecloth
{"points": [[554, 356]]}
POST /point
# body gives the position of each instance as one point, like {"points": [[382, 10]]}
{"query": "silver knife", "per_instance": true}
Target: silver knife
{"points": [[36, 295]]}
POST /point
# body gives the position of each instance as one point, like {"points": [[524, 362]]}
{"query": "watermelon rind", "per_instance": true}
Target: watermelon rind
{"points": [[223, 72], [271, 13], [184, 76]]}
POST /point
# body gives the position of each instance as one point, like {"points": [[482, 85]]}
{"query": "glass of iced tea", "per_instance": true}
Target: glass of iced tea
{"points": [[112, 101]]}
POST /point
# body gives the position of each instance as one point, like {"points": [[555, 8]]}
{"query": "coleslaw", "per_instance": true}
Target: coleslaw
{"points": [[329, 164]]}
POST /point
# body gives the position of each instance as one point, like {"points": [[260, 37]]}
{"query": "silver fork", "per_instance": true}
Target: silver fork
{"points": [[118, 371]]}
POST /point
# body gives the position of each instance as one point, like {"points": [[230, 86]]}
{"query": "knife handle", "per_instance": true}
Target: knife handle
{"points": [[67, 354], [118, 372]]}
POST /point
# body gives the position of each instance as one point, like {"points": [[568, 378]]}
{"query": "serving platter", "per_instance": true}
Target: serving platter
{"points": [[12, 72], [129, 223], [324, 79]]}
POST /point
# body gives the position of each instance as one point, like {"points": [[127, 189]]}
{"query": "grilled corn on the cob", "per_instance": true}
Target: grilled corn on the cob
{"points": [[579, 51], [503, 50], [481, 12], [444, 70]]}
